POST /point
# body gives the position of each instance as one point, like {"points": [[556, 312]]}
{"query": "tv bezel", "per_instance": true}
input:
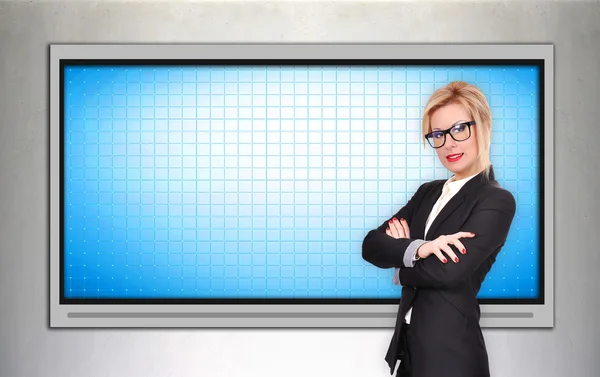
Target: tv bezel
{"points": [[275, 312]]}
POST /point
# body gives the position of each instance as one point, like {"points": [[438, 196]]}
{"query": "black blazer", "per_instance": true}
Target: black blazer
{"points": [[445, 317]]}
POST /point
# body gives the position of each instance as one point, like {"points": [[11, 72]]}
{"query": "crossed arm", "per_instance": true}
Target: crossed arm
{"points": [[490, 221], [384, 251]]}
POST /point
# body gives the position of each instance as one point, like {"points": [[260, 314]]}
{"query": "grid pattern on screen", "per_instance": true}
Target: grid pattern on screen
{"points": [[261, 182]]}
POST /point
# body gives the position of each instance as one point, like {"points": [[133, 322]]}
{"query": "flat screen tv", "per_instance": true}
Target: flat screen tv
{"points": [[233, 185]]}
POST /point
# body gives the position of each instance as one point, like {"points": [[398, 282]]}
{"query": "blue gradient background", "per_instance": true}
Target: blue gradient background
{"points": [[261, 182]]}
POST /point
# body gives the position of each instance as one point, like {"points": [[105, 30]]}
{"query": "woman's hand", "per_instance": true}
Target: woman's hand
{"points": [[398, 229], [440, 246]]}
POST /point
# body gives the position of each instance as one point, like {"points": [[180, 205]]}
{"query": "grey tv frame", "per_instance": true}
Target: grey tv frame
{"points": [[315, 316]]}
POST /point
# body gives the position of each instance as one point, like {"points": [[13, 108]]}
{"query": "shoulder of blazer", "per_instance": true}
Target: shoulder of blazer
{"points": [[491, 194]]}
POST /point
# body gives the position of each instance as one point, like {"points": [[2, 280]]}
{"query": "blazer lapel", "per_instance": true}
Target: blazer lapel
{"points": [[452, 204], [455, 201], [425, 208]]}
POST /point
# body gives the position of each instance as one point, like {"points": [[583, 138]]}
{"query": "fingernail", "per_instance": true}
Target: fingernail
{"points": [[456, 259], [463, 251], [391, 221], [472, 233], [395, 219], [402, 220], [388, 229], [445, 261]]}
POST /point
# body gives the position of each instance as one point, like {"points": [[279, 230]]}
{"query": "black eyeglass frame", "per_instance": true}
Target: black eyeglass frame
{"points": [[447, 132]]}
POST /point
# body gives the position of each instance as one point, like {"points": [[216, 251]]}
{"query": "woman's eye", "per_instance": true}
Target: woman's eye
{"points": [[458, 128]]}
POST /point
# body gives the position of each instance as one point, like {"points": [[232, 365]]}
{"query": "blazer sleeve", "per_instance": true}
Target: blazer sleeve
{"points": [[384, 251], [490, 221]]}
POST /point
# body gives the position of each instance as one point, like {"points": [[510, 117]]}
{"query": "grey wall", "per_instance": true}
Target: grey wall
{"points": [[29, 348]]}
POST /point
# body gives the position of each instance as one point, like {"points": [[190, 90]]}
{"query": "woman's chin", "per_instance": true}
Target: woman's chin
{"points": [[452, 168], [458, 168]]}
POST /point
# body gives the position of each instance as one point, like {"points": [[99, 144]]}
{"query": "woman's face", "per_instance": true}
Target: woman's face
{"points": [[460, 157]]}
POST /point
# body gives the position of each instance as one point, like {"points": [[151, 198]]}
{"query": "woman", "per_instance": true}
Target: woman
{"points": [[444, 241]]}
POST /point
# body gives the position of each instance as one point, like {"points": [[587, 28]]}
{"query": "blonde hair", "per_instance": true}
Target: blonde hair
{"points": [[475, 103]]}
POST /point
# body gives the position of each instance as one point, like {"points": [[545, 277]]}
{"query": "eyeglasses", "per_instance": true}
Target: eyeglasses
{"points": [[459, 131]]}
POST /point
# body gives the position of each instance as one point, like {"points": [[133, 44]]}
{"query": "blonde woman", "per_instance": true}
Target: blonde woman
{"points": [[444, 241]]}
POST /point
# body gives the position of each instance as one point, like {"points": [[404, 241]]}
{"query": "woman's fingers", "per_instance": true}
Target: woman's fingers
{"points": [[456, 242], [431, 248], [449, 253], [399, 228], [459, 245], [404, 225], [464, 235], [396, 228], [392, 229], [438, 253]]}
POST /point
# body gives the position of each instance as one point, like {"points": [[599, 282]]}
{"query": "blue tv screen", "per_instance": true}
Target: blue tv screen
{"points": [[256, 181]]}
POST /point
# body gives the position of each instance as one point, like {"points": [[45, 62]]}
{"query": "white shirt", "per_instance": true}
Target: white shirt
{"points": [[451, 187]]}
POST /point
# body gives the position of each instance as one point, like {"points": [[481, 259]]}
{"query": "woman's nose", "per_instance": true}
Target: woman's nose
{"points": [[450, 143]]}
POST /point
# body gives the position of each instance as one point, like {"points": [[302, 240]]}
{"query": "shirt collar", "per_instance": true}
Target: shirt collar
{"points": [[455, 185]]}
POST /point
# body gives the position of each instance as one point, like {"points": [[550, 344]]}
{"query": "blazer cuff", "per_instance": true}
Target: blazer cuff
{"points": [[410, 257]]}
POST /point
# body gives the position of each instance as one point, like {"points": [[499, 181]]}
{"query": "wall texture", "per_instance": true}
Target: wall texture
{"points": [[29, 348]]}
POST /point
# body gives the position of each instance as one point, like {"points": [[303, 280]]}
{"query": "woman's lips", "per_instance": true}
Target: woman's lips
{"points": [[454, 157]]}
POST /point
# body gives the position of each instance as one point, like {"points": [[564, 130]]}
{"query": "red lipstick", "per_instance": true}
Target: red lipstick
{"points": [[454, 157]]}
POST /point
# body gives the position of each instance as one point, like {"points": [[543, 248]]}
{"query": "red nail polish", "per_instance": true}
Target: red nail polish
{"points": [[402, 220], [388, 229], [445, 261], [464, 251], [456, 259], [395, 219], [472, 233]]}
